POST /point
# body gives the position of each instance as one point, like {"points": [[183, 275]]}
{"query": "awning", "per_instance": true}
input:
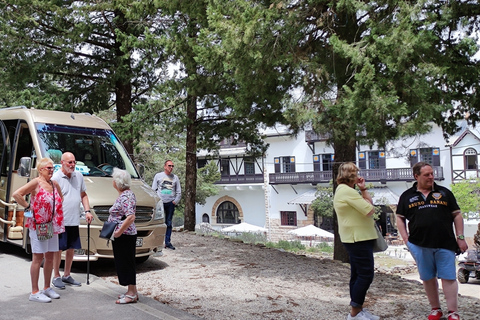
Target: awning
{"points": [[383, 195], [380, 196], [244, 227], [227, 152], [311, 231], [304, 198]]}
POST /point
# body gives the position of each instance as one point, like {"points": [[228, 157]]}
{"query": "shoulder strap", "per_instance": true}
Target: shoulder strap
{"points": [[53, 209]]}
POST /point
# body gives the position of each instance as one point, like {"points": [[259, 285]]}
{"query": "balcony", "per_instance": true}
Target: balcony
{"points": [[238, 179], [370, 175], [312, 137]]}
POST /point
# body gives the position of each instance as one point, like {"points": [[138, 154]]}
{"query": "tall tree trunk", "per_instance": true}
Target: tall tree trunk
{"points": [[344, 152], [191, 165], [123, 92], [123, 86]]}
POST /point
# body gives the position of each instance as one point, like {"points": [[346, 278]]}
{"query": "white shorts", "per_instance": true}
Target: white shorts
{"points": [[50, 245]]}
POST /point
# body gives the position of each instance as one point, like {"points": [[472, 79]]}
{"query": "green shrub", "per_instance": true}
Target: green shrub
{"points": [[270, 244], [325, 247], [251, 237], [290, 245], [321, 247]]}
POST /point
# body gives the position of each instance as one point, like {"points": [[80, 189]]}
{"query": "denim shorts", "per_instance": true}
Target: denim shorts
{"points": [[70, 239], [434, 262]]}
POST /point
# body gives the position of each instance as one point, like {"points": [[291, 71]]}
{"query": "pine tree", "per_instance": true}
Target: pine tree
{"points": [[368, 71]]}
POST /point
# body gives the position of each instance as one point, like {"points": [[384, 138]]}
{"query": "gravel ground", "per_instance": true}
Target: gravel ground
{"points": [[222, 279]]}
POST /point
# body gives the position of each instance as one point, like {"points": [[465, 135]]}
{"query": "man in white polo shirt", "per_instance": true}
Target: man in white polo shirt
{"points": [[74, 192]]}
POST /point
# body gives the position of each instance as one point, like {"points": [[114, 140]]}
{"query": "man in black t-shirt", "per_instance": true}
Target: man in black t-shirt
{"points": [[432, 211]]}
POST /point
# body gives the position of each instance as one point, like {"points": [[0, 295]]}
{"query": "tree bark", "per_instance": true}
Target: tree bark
{"points": [[191, 165], [123, 85], [123, 92], [344, 152]]}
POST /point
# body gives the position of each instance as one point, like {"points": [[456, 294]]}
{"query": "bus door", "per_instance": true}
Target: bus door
{"points": [[4, 159], [15, 174]]}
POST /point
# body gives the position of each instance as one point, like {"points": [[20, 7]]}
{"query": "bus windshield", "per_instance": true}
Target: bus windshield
{"points": [[97, 151]]}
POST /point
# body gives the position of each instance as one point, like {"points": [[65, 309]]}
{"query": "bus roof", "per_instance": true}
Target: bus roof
{"points": [[53, 117]]}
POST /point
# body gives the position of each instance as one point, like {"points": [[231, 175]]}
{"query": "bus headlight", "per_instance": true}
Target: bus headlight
{"points": [[159, 213]]}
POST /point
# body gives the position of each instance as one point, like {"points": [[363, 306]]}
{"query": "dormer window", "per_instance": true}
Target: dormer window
{"points": [[470, 159]]}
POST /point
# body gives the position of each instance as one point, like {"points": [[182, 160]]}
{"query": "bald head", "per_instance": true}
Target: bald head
{"points": [[68, 163], [68, 156]]}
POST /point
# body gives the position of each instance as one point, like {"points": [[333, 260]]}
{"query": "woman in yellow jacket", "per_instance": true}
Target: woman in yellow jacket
{"points": [[357, 233]]}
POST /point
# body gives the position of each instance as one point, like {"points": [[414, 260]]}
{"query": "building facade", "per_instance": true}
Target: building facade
{"points": [[275, 191]]}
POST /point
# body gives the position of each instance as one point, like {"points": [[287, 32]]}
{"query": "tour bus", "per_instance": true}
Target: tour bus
{"points": [[28, 135]]}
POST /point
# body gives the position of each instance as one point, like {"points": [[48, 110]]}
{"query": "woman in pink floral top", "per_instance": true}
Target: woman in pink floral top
{"points": [[44, 193], [124, 244]]}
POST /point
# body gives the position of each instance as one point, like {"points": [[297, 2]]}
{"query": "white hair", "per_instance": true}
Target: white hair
{"points": [[122, 179]]}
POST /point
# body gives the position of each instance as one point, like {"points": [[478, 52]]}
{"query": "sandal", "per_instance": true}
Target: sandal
{"points": [[122, 296], [133, 299]]}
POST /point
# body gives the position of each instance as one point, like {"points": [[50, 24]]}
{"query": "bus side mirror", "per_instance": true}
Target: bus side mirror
{"points": [[25, 167]]}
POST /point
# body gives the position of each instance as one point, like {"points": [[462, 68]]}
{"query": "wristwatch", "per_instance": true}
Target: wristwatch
{"points": [[461, 237]]}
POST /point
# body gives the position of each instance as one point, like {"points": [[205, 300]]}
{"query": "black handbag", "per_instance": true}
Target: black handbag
{"points": [[107, 230]]}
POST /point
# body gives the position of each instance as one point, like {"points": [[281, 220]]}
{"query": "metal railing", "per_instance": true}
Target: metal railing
{"points": [[314, 177], [370, 175], [236, 179]]}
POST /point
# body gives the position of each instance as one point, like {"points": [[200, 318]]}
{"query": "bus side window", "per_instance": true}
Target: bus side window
{"points": [[4, 150], [24, 147]]}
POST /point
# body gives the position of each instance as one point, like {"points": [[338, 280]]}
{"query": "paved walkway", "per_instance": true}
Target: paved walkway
{"points": [[93, 301]]}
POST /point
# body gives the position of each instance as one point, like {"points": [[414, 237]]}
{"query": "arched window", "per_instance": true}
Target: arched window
{"points": [[470, 158], [205, 218], [227, 212]]}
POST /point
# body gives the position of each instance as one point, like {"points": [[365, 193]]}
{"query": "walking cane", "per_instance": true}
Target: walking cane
{"points": [[88, 252]]}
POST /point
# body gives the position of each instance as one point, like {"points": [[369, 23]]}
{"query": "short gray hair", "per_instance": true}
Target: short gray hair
{"points": [[122, 179]]}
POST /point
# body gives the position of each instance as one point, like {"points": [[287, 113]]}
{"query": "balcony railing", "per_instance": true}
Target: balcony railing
{"points": [[311, 136], [466, 174], [370, 175], [236, 179], [300, 177]]}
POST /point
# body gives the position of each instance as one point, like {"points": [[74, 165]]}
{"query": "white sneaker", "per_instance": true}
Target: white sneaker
{"points": [[360, 316], [51, 293], [39, 297], [370, 316]]}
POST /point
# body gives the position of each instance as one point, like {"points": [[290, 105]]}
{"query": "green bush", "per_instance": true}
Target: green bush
{"points": [[324, 247], [251, 237], [270, 244], [290, 245]]}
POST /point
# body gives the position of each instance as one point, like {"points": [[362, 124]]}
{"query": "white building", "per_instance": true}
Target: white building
{"points": [[275, 191]]}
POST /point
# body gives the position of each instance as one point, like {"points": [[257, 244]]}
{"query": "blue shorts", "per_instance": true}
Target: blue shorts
{"points": [[70, 239], [434, 262]]}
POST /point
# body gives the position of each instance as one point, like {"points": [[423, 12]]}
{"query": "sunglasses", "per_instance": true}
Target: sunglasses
{"points": [[48, 168], [170, 165]]}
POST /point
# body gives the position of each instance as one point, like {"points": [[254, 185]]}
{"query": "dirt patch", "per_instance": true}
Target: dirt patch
{"points": [[222, 279]]}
